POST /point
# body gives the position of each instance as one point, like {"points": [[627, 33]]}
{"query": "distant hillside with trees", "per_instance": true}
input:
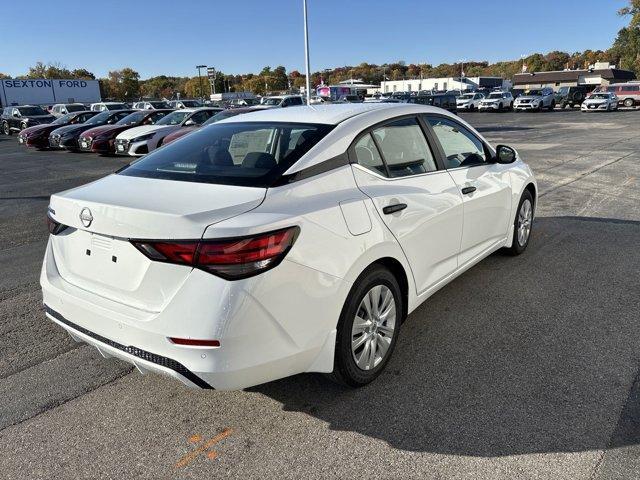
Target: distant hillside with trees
{"points": [[126, 83]]}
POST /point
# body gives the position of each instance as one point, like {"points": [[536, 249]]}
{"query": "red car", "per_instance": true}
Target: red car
{"points": [[38, 135], [102, 139], [216, 118]]}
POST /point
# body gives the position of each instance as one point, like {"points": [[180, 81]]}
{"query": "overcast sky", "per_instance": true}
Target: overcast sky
{"points": [[170, 37]]}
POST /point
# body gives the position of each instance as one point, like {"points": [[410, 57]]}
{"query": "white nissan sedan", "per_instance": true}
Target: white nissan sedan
{"points": [[286, 241]]}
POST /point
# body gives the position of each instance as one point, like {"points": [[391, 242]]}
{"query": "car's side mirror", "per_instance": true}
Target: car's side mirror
{"points": [[17, 115], [505, 154], [189, 123]]}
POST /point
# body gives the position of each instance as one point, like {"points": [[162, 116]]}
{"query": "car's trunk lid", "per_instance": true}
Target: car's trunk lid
{"points": [[95, 254]]}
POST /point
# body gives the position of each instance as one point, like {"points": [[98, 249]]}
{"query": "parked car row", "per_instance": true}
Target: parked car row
{"points": [[122, 132], [538, 99]]}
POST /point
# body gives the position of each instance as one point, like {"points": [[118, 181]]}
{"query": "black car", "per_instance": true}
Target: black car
{"points": [[572, 96], [442, 100], [14, 119], [67, 137]]}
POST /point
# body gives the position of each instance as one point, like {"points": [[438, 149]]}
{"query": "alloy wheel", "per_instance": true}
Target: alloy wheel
{"points": [[373, 327], [525, 217]]}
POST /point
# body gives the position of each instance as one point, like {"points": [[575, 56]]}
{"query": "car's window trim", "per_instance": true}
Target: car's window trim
{"points": [[488, 150]]}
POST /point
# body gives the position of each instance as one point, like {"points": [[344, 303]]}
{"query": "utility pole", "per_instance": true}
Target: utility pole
{"points": [[200, 79], [306, 51]]}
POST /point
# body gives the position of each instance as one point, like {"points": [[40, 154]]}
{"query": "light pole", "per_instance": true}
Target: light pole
{"points": [[306, 51], [200, 79]]}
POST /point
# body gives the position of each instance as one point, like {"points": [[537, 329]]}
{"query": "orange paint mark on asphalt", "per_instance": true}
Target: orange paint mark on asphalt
{"points": [[191, 456], [195, 438]]}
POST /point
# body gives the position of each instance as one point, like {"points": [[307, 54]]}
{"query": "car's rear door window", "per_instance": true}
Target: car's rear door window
{"points": [[404, 148], [368, 156], [238, 153]]}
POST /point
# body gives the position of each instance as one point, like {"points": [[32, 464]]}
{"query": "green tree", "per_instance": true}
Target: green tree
{"points": [[123, 84], [83, 74]]}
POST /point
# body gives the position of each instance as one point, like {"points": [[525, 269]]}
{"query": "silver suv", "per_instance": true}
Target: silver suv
{"points": [[536, 99]]}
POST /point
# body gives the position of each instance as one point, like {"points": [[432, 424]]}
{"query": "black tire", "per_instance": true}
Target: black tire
{"points": [[471, 107], [517, 247], [629, 102], [23, 126], [345, 368], [6, 129], [500, 107], [552, 106]]}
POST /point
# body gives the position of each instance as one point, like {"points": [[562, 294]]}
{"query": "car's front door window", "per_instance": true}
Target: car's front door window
{"points": [[461, 147]]}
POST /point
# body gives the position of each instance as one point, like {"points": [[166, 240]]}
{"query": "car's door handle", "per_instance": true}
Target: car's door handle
{"points": [[468, 190], [396, 207]]}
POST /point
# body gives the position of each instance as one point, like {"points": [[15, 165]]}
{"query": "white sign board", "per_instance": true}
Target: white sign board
{"points": [[48, 91]]}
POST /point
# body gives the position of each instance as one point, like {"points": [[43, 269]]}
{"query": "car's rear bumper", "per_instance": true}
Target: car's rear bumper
{"points": [[143, 360], [268, 326]]}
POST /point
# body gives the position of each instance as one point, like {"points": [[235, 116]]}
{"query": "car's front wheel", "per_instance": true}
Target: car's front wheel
{"points": [[522, 225], [5, 128], [368, 327], [628, 102]]}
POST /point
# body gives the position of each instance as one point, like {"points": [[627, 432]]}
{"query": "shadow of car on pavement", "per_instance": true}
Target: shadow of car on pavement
{"points": [[520, 355]]}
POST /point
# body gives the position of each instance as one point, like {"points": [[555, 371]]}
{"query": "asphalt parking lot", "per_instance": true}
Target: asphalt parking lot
{"points": [[523, 367]]}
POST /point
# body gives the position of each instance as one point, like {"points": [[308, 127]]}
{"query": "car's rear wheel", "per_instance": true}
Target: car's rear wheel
{"points": [[6, 129], [628, 102], [23, 126], [552, 105], [368, 327], [522, 225]]}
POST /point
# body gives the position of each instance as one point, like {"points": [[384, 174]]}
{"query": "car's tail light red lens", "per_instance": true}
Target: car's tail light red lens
{"points": [[54, 227], [173, 252], [232, 258]]}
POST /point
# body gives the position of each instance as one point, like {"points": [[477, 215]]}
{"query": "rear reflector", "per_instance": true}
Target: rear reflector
{"points": [[195, 343], [229, 258]]}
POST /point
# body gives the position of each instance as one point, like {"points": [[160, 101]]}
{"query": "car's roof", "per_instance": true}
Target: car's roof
{"points": [[326, 114]]}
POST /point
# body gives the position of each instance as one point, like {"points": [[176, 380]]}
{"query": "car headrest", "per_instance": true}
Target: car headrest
{"points": [[216, 156], [259, 160]]}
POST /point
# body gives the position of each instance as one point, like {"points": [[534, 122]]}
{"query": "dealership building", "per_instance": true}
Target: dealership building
{"points": [[450, 83], [601, 74]]}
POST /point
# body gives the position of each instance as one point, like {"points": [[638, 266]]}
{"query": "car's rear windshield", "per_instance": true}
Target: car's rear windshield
{"points": [[115, 106], [253, 154], [75, 108]]}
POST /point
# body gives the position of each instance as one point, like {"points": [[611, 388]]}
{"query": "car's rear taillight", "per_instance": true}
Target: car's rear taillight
{"points": [[229, 258], [54, 227]]}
